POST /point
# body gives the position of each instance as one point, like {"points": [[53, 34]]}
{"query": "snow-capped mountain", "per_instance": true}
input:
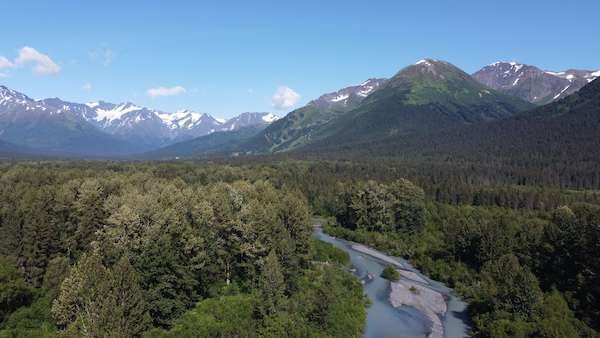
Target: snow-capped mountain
{"points": [[181, 125], [139, 126], [248, 119], [347, 97], [297, 127], [531, 83], [54, 126]]}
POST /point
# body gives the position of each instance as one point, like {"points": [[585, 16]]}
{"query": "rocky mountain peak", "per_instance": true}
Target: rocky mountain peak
{"points": [[532, 83]]}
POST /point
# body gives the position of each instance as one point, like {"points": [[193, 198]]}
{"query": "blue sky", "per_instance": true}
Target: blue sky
{"points": [[228, 57]]}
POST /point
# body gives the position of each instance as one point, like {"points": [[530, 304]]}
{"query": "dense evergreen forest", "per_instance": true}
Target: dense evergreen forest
{"points": [[104, 250], [182, 249]]}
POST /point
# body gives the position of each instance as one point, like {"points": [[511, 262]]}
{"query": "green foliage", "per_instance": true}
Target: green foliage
{"points": [[502, 261], [327, 303], [371, 206], [556, 320], [271, 286], [225, 316], [188, 229], [152, 240], [390, 274], [57, 270], [14, 293], [34, 320], [325, 252], [99, 301], [570, 259], [331, 301], [508, 287]]}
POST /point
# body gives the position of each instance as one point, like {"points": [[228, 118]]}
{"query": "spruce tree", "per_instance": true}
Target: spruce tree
{"points": [[271, 285]]}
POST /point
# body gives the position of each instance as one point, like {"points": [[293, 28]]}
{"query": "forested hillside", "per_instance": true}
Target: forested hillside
{"points": [[565, 130], [428, 96], [205, 146]]}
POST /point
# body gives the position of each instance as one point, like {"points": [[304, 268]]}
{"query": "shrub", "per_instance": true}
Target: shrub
{"points": [[390, 274]]}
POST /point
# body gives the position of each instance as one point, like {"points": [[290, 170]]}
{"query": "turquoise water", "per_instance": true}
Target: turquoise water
{"points": [[385, 321]]}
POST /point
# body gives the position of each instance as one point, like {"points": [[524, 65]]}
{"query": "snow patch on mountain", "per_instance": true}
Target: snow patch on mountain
{"points": [[181, 119], [349, 96], [340, 98], [531, 83], [109, 115], [561, 92], [270, 118]]}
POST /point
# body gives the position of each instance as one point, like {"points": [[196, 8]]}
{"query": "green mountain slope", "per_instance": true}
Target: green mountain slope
{"points": [[219, 142], [564, 131], [303, 125], [426, 97]]}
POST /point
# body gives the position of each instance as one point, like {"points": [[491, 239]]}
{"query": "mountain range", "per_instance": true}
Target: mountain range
{"points": [[420, 102], [301, 126], [423, 97], [563, 131], [531, 83], [105, 129]]}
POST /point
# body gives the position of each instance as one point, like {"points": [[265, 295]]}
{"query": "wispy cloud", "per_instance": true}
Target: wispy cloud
{"points": [[42, 64], [284, 98], [102, 54], [87, 86], [5, 63], [165, 91]]}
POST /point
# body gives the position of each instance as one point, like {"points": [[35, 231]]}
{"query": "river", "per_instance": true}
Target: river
{"points": [[429, 309]]}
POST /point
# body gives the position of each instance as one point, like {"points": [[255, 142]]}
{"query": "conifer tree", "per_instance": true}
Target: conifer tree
{"points": [[271, 285]]}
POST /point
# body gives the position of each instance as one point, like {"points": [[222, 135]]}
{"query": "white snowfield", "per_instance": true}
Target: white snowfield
{"points": [[115, 113]]}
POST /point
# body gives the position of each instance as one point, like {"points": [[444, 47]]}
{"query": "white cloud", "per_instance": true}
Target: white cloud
{"points": [[284, 98], [87, 86], [165, 91], [5, 63], [42, 63], [102, 54]]}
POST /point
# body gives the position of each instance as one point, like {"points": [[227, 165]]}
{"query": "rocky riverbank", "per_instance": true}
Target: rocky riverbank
{"points": [[415, 293]]}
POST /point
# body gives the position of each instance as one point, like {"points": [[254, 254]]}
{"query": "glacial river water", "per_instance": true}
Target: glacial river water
{"points": [[385, 321]]}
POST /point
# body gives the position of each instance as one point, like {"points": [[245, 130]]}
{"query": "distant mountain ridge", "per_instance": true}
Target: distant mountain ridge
{"points": [[298, 127], [348, 97], [221, 142], [427, 96], [108, 128], [531, 83], [563, 131], [424, 97]]}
